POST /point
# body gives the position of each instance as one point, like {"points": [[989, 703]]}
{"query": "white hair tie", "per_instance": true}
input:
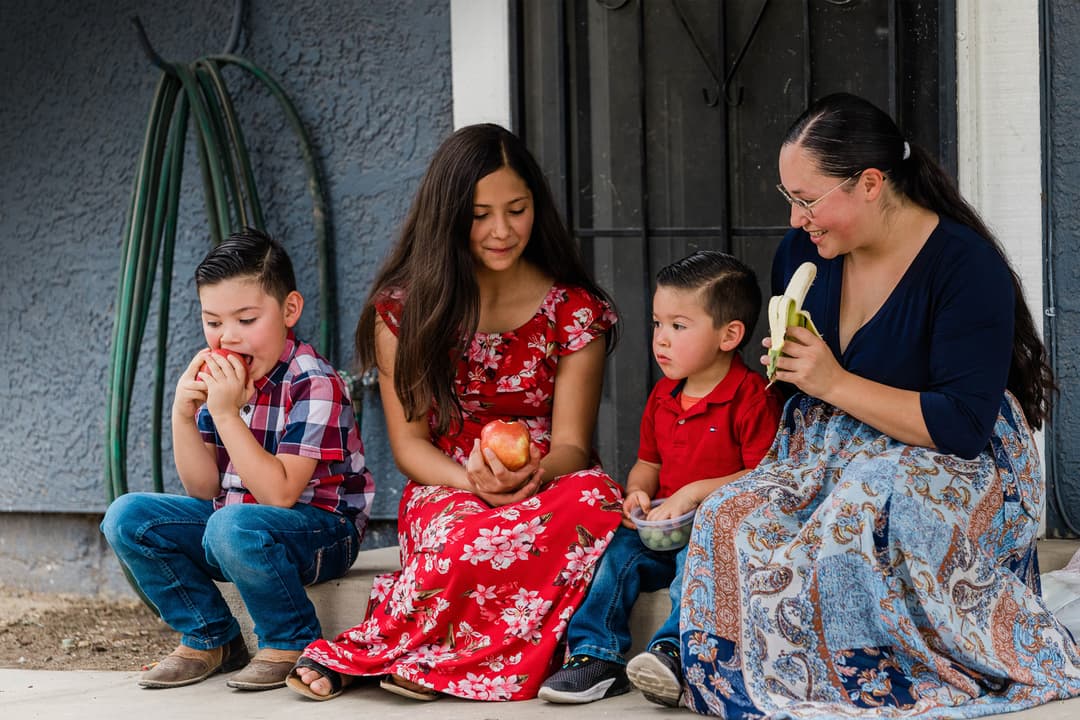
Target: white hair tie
{"points": [[907, 150]]}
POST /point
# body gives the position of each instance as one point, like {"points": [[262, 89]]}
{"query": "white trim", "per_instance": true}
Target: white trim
{"points": [[480, 61], [999, 132], [998, 127]]}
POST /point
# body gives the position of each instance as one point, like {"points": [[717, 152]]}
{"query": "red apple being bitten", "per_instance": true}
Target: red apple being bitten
{"points": [[508, 440], [225, 354]]}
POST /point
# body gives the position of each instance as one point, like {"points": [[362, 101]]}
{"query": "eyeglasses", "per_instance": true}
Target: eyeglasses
{"points": [[808, 207]]}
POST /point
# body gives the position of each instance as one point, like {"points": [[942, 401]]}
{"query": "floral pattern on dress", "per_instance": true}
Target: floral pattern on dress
{"points": [[852, 576], [481, 604]]}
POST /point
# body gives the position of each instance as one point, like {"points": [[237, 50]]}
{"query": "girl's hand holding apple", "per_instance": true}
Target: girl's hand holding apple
{"points": [[487, 474], [504, 465], [509, 441]]}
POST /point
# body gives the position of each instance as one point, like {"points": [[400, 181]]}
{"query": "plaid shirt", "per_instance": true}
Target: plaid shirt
{"points": [[302, 408]]}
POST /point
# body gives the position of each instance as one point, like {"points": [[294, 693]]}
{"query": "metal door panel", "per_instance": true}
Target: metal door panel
{"points": [[663, 128]]}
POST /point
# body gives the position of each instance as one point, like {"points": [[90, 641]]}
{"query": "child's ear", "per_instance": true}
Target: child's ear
{"points": [[292, 306], [731, 335]]}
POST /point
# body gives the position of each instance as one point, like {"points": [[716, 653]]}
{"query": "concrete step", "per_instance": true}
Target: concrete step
{"points": [[1054, 554], [340, 604]]}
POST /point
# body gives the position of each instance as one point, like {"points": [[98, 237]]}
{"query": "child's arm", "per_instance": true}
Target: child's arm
{"points": [[689, 496], [641, 485], [195, 460], [276, 480]]}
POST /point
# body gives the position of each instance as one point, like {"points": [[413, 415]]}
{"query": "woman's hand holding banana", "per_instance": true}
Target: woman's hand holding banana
{"points": [[786, 311]]}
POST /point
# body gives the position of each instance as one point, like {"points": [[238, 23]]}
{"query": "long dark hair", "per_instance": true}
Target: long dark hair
{"points": [[433, 267], [846, 134]]}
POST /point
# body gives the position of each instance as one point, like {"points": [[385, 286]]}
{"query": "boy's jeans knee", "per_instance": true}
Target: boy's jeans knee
{"points": [[271, 554], [175, 547], [601, 626], [158, 539]]}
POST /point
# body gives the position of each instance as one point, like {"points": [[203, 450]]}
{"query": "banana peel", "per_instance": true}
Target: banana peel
{"points": [[786, 311]]}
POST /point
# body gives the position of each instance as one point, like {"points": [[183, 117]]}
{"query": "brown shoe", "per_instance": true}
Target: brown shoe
{"points": [[266, 671], [186, 666]]}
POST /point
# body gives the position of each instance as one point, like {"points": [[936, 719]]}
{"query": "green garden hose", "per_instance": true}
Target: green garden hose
{"points": [[196, 91]]}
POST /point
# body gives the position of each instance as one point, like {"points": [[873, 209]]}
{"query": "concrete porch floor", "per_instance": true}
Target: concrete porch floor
{"points": [[45, 695]]}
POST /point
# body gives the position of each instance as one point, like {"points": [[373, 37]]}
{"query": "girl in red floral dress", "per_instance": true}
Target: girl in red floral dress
{"points": [[483, 310]]}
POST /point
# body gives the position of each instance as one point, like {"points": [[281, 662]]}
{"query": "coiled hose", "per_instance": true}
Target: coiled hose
{"points": [[196, 91]]}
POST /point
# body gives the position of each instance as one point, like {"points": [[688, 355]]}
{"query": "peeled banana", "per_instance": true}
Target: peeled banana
{"points": [[786, 310]]}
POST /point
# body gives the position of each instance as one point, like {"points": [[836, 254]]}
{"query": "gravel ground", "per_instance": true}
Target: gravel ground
{"points": [[71, 632]]}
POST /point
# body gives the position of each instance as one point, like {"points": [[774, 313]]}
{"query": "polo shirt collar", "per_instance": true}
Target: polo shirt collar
{"points": [[724, 390]]}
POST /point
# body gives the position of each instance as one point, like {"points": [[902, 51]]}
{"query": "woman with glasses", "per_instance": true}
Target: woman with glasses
{"points": [[881, 558]]}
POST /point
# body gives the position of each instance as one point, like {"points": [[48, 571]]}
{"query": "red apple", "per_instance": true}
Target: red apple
{"points": [[508, 440], [225, 354]]}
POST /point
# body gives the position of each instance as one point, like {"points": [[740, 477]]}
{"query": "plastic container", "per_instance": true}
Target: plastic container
{"points": [[662, 535]]}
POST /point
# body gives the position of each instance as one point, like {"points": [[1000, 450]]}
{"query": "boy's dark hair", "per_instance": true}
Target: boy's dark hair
{"points": [[729, 288], [249, 253]]}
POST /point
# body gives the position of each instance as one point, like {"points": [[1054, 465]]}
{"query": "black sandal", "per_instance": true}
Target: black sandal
{"points": [[294, 683], [391, 683]]}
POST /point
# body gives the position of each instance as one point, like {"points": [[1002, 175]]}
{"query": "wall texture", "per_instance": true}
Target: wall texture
{"points": [[371, 81], [1063, 188]]}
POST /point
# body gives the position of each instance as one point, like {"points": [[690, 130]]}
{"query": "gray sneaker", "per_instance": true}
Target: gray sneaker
{"points": [[584, 679], [658, 674]]}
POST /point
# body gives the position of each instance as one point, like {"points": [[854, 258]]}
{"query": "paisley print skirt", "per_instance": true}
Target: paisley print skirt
{"points": [[851, 575]]}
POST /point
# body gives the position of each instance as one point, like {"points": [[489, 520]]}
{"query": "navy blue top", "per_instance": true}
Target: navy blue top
{"points": [[946, 330]]}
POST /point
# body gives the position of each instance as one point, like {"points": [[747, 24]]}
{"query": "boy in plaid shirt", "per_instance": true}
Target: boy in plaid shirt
{"points": [[278, 496]]}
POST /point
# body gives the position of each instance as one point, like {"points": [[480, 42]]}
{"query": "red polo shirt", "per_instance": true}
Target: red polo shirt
{"points": [[730, 430]]}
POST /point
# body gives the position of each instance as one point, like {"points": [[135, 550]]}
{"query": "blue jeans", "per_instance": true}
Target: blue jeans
{"points": [[600, 628], [175, 547]]}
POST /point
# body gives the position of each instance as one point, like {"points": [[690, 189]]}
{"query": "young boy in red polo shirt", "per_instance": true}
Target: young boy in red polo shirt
{"points": [[707, 422]]}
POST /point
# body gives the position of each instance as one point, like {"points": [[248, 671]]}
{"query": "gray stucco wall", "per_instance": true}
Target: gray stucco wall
{"points": [[371, 81], [1063, 145]]}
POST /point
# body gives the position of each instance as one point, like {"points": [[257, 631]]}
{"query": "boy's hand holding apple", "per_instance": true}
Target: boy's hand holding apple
{"points": [[240, 366], [225, 376], [190, 391]]}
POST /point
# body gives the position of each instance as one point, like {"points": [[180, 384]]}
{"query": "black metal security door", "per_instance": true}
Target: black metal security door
{"points": [[659, 122]]}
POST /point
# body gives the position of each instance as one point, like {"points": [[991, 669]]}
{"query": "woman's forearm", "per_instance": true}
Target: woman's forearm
{"points": [[895, 412], [422, 462], [562, 460]]}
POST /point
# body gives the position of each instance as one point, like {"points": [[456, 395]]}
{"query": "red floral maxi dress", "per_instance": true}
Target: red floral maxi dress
{"points": [[484, 595]]}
